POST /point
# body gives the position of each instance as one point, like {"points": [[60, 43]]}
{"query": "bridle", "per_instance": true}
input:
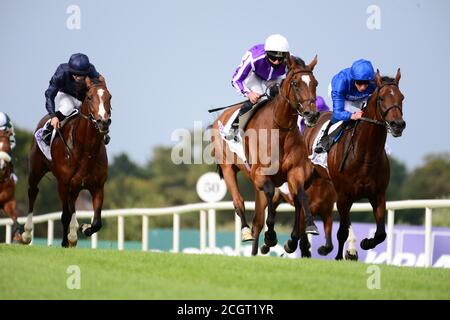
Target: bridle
{"points": [[90, 116], [384, 113], [297, 105]]}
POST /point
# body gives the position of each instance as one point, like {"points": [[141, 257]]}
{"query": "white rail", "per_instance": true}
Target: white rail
{"points": [[208, 212]]}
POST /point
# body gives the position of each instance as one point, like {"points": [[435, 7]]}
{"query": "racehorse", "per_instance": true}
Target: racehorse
{"points": [[7, 184], [322, 196], [286, 151], [79, 161], [358, 165]]}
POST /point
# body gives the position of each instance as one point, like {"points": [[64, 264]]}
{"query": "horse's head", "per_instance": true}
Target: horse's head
{"points": [[299, 88], [390, 103], [98, 101], [5, 149]]}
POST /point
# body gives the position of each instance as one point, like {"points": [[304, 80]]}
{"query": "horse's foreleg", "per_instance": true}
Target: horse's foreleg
{"points": [[291, 245], [72, 236], [343, 206], [270, 236], [97, 202], [229, 175], [10, 210], [258, 219], [379, 208]]}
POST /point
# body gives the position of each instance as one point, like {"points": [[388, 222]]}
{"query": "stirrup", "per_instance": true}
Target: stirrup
{"points": [[319, 148], [107, 139]]}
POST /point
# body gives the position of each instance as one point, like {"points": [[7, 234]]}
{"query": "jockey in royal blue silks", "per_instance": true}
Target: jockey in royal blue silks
{"points": [[67, 90], [350, 90], [262, 66]]}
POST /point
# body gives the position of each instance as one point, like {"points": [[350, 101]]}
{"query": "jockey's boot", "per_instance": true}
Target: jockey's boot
{"points": [[234, 129], [325, 141], [47, 134]]}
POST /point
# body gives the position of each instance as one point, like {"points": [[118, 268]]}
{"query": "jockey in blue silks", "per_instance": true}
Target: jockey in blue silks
{"points": [[350, 90], [67, 90], [261, 67]]}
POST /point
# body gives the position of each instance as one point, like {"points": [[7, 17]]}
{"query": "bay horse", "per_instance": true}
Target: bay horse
{"points": [[358, 165], [7, 184], [286, 151], [79, 161], [322, 197]]}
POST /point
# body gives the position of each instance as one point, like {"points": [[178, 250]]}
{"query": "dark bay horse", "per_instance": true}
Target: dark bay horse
{"points": [[273, 132], [358, 165], [322, 196], [78, 162], [7, 184]]}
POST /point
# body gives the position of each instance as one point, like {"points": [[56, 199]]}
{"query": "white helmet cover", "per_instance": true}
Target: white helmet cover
{"points": [[277, 43]]}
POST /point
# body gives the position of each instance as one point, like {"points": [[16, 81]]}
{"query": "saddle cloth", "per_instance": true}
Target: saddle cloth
{"points": [[46, 149]]}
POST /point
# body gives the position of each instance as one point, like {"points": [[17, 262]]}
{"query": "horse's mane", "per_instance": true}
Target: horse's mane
{"points": [[386, 79], [299, 62]]}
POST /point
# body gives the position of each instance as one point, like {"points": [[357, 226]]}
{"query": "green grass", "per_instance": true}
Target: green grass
{"points": [[40, 273]]}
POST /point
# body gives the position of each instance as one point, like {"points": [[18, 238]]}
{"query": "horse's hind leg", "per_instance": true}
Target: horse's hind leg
{"points": [[229, 175], [327, 219], [97, 201], [378, 203], [37, 168]]}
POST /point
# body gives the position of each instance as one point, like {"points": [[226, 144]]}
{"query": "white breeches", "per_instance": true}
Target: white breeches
{"points": [[256, 84], [65, 103]]}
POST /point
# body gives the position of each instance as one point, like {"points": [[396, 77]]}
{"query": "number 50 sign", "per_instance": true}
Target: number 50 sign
{"points": [[211, 188]]}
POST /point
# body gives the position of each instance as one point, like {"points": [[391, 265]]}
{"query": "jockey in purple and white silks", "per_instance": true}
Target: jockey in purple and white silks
{"points": [[262, 66]]}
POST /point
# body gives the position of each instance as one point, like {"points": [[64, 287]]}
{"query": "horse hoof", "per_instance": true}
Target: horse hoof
{"points": [[338, 258], [271, 240], [85, 229], [265, 249], [26, 238], [246, 234], [306, 255], [351, 257], [73, 244], [365, 244], [324, 250], [290, 246], [312, 229]]}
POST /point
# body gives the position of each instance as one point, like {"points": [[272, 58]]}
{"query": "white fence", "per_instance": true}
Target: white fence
{"points": [[208, 222]]}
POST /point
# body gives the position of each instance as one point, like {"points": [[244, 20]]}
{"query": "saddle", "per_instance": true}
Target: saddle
{"points": [[246, 117]]}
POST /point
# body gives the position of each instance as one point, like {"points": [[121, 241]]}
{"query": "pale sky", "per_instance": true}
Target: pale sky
{"points": [[167, 62]]}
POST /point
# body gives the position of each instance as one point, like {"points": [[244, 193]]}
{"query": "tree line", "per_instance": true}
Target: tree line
{"points": [[161, 183]]}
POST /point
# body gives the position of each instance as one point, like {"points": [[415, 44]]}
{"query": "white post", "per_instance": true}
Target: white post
{"points": [[390, 236], [202, 231], [176, 232], [8, 234], [266, 214], [120, 232], [94, 240], [50, 232], [237, 235], [428, 238], [144, 233], [212, 229]]}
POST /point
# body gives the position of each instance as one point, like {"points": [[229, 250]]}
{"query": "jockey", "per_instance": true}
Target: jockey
{"points": [[67, 90], [6, 125], [350, 90], [262, 66]]}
